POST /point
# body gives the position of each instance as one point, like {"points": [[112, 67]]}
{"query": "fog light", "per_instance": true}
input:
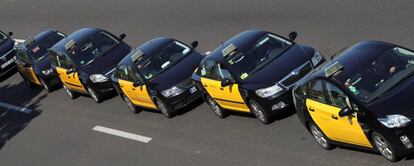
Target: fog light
{"points": [[279, 105], [406, 141]]}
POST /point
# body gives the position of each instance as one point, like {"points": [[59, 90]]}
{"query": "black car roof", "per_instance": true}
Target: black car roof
{"points": [[77, 36], [149, 48], [40, 37], [354, 58], [240, 40]]}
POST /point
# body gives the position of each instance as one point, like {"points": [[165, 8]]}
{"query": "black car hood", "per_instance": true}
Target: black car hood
{"points": [[278, 68], [43, 64], [398, 101], [178, 73], [6, 46], [107, 62]]}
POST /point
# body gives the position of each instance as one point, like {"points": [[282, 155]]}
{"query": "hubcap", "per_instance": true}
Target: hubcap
{"points": [[318, 135], [259, 114], [67, 91], [383, 147], [93, 95], [214, 106]]}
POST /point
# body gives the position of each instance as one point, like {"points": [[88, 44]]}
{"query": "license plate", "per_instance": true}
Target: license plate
{"points": [[4, 65], [193, 89]]}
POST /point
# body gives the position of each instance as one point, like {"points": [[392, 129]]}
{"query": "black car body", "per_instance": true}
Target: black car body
{"points": [[7, 53], [251, 63], [157, 75], [33, 60], [85, 60], [363, 98]]}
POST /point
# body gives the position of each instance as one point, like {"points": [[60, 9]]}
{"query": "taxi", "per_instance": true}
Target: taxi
{"points": [[7, 53], [33, 61], [85, 60], [253, 72], [361, 98], [157, 76]]}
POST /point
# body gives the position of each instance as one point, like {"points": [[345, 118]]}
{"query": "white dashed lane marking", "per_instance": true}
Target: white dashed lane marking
{"points": [[14, 108], [122, 134]]}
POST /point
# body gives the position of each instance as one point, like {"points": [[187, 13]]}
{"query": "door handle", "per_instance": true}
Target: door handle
{"points": [[334, 117], [121, 86], [221, 88], [205, 85], [311, 109]]}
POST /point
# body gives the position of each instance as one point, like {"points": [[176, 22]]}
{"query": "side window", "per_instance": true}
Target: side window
{"points": [[122, 73], [64, 61], [223, 72], [135, 75], [208, 69], [316, 91], [336, 96]]}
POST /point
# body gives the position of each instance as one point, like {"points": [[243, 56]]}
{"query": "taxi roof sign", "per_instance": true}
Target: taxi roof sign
{"points": [[230, 48], [70, 44], [332, 69], [136, 55]]}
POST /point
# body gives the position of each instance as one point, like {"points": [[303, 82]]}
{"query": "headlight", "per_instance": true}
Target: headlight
{"points": [[47, 71], [266, 92], [394, 121], [97, 78], [174, 91], [317, 57]]}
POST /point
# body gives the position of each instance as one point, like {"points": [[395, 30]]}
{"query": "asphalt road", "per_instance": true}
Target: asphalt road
{"points": [[59, 131]]}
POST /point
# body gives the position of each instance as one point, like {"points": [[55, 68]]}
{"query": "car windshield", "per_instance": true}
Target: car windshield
{"points": [[166, 57], [93, 48], [246, 61], [39, 50], [3, 37], [381, 74]]}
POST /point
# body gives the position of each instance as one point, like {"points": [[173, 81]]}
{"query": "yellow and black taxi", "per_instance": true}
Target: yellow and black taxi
{"points": [[7, 53], [253, 72], [33, 60], [362, 98], [85, 60], [157, 75]]}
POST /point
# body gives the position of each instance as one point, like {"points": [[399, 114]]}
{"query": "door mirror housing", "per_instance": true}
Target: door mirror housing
{"points": [[122, 36], [10, 34], [293, 35], [346, 111], [71, 70], [226, 82], [194, 44]]}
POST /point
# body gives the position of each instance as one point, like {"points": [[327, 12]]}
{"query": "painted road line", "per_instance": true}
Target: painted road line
{"points": [[14, 108], [123, 134]]}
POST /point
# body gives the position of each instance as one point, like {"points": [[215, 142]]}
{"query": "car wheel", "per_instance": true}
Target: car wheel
{"points": [[215, 107], [95, 96], [70, 93], [320, 137], [163, 108], [44, 85], [384, 147], [130, 105], [260, 113]]}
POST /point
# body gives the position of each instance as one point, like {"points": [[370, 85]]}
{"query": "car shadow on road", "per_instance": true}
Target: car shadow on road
{"points": [[283, 114], [8, 75], [13, 122]]}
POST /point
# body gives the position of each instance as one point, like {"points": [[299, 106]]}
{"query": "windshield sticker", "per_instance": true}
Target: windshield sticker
{"points": [[82, 62], [353, 90], [230, 48], [329, 71], [244, 76], [136, 55]]}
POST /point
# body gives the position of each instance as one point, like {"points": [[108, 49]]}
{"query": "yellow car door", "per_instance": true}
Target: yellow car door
{"points": [[324, 112], [71, 79], [25, 67]]}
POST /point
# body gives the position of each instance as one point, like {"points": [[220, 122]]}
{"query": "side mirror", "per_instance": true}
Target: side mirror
{"points": [[10, 34], [71, 70], [136, 84], [293, 35], [122, 36], [345, 111], [194, 44], [226, 82]]}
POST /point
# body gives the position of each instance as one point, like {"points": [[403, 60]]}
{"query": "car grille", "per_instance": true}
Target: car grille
{"points": [[296, 75], [188, 83], [7, 55]]}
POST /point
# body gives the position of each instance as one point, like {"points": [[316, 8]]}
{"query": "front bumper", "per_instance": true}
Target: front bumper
{"points": [[181, 100], [7, 69], [51, 80], [399, 145], [104, 87], [275, 105]]}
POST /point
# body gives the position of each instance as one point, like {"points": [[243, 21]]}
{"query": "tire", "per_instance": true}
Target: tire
{"points": [[95, 96], [45, 86], [72, 95], [260, 113], [216, 108], [385, 148], [163, 108], [130, 105], [320, 137]]}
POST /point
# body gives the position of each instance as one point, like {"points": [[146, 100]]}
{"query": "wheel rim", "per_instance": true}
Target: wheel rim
{"points": [[383, 147], [93, 95], [258, 112], [214, 106], [44, 84], [68, 91], [162, 108], [318, 135]]}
